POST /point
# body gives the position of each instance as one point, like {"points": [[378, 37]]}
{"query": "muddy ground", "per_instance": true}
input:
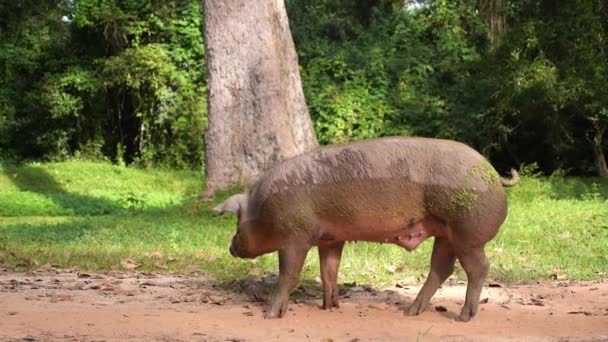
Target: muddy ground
{"points": [[51, 305]]}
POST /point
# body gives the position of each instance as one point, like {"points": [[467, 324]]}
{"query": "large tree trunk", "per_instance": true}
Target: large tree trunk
{"points": [[598, 151], [257, 112]]}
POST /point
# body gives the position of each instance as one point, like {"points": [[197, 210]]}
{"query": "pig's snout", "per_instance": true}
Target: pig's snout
{"points": [[232, 251]]}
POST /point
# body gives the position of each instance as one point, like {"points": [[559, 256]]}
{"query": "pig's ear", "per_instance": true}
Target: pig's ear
{"points": [[232, 204]]}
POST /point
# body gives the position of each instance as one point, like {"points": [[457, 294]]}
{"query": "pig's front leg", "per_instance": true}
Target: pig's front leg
{"points": [[291, 260]]}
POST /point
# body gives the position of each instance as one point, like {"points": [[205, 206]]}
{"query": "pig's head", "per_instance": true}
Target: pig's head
{"points": [[250, 240]]}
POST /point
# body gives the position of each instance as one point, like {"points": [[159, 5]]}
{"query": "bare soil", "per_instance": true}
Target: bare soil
{"points": [[51, 305]]}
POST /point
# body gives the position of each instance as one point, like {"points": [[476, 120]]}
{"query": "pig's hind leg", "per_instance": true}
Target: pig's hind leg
{"points": [[291, 260], [329, 257], [475, 264], [442, 265]]}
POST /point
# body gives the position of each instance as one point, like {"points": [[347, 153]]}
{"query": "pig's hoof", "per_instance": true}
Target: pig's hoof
{"points": [[415, 309], [465, 316], [275, 311], [331, 303], [269, 315], [331, 306]]}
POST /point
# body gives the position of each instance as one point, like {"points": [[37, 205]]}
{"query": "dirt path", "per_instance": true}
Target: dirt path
{"points": [[63, 306]]}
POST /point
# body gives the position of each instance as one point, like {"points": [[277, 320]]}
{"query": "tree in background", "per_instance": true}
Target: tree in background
{"points": [[257, 112], [32, 40], [402, 70], [547, 81], [527, 92], [492, 13], [103, 79], [153, 78]]}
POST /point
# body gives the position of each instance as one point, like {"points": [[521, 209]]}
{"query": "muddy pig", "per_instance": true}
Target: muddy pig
{"points": [[388, 190]]}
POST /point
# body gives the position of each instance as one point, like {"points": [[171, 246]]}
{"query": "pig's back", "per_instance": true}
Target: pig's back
{"points": [[419, 160]]}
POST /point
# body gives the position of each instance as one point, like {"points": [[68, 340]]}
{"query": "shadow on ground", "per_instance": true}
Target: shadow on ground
{"points": [[310, 293], [37, 180]]}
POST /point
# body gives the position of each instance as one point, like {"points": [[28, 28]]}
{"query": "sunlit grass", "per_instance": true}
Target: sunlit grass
{"points": [[96, 216]]}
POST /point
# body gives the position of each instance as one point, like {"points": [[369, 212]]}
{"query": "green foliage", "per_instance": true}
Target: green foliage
{"points": [[426, 68], [395, 72], [103, 79], [125, 80], [96, 215], [170, 111], [544, 85]]}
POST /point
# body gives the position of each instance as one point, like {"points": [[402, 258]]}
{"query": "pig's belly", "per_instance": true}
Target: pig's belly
{"points": [[407, 233]]}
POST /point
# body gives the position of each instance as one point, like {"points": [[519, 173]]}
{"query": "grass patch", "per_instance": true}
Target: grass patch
{"points": [[96, 216]]}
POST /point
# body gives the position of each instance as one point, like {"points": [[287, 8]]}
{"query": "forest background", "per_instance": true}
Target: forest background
{"points": [[523, 82]]}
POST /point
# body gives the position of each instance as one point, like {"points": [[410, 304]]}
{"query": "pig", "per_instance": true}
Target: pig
{"points": [[389, 190]]}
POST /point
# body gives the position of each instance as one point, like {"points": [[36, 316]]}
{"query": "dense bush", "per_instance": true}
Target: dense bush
{"points": [[103, 79], [426, 68], [400, 72]]}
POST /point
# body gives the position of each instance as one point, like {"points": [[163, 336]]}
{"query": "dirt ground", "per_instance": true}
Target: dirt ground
{"points": [[52, 305]]}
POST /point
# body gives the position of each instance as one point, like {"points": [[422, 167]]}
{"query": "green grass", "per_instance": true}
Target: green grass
{"points": [[96, 216]]}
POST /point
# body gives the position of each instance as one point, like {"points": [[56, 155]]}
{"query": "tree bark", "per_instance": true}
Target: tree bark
{"points": [[257, 114], [491, 11], [598, 151]]}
